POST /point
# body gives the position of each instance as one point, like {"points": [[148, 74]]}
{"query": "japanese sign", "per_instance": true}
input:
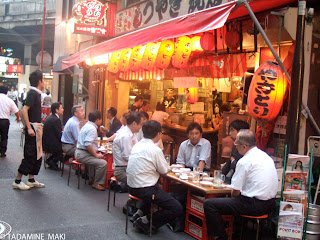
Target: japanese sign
{"points": [[154, 11], [15, 69], [93, 30], [90, 11]]}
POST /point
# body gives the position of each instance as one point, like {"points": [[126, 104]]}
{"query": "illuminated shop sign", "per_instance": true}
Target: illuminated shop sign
{"points": [[93, 30], [9, 75], [154, 11], [6, 51], [15, 69], [91, 11]]}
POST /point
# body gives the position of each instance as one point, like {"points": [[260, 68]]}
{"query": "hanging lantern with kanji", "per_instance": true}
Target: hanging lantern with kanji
{"points": [[195, 44], [150, 56], [192, 95], [125, 59], [182, 52], [113, 65], [136, 58], [164, 54], [207, 41], [267, 92]]}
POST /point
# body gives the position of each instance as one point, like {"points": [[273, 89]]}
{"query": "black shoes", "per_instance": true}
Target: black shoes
{"points": [[144, 227], [134, 217], [53, 165], [3, 155]]}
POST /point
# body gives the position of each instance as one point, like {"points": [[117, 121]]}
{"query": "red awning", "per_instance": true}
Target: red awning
{"points": [[202, 21]]}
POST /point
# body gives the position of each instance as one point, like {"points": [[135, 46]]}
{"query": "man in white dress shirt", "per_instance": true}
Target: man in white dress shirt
{"points": [[7, 106], [254, 184], [123, 143], [196, 151], [146, 164]]}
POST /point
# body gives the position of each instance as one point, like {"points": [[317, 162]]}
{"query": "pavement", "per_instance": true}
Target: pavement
{"points": [[59, 211]]}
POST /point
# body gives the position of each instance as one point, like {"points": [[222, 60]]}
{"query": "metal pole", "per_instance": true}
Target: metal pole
{"points": [[293, 122], [43, 31], [263, 34], [265, 38]]}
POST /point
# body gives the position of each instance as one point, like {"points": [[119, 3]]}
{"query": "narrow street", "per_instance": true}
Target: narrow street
{"points": [[59, 211]]}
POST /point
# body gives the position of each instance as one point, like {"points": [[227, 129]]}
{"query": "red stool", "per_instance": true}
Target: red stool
{"points": [[112, 179], [78, 165], [135, 199], [65, 161], [258, 218]]}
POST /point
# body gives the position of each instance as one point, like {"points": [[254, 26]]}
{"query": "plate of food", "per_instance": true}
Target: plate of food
{"points": [[206, 183], [185, 169], [176, 170], [176, 166]]}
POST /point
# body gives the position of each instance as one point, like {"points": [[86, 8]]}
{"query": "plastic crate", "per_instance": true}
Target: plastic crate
{"points": [[110, 165], [195, 203], [196, 225]]}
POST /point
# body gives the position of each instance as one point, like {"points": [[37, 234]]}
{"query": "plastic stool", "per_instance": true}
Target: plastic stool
{"points": [[64, 162], [78, 164], [135, 199], [258, 222], [112, 179]]}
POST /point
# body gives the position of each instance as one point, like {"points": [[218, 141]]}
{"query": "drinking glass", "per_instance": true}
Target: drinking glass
{"points": [[217, 176], [223, 178], [196, 174]]}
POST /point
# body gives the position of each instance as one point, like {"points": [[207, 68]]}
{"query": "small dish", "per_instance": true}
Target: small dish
{"points": [[209, 179], [185, 169], [176, 170], [206, 183], [218, 186], [176, 166], [184, 177]]}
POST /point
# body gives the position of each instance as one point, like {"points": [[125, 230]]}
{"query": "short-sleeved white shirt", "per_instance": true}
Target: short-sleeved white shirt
{"points": [[160, 116], [256, 175], [7, 106], [145, 165]]}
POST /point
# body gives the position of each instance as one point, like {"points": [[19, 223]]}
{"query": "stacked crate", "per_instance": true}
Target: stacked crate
{"points": [[195, 224]]}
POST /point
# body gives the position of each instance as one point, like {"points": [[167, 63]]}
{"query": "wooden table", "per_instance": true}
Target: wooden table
{"points": [[195, 223]]}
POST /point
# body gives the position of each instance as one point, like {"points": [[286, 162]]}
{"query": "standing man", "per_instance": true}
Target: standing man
{"points": [[254, 184], [137, 103], [115, 123], [146, 164], [122, 145], [31, 118], [86, 152], [52, 132], [71, 131], [6, 107], [23, 96], [196, 151]]}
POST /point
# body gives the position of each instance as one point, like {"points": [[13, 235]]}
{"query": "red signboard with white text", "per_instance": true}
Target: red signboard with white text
{"points": [[15, 69], [92, 30]]}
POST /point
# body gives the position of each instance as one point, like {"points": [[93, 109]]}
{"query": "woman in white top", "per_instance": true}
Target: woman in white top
{"points": [[160, 114]]}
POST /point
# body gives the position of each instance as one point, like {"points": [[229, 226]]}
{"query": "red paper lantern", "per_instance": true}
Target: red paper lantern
{"points": [[267, 91], [182, 52], [192, 95], [195, 44], [150, 56], [207, 41], [113, 65], [232, 39], [164, 54], [125, 59], [136, 58]]}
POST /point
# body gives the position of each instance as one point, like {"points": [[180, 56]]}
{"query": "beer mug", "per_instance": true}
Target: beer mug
{"points": [[217, 176]]}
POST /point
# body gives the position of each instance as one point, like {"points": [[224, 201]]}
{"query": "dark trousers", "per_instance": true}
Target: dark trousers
{"points": [[170, 207], [30, 164], [241, 205], [4, 129]]}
